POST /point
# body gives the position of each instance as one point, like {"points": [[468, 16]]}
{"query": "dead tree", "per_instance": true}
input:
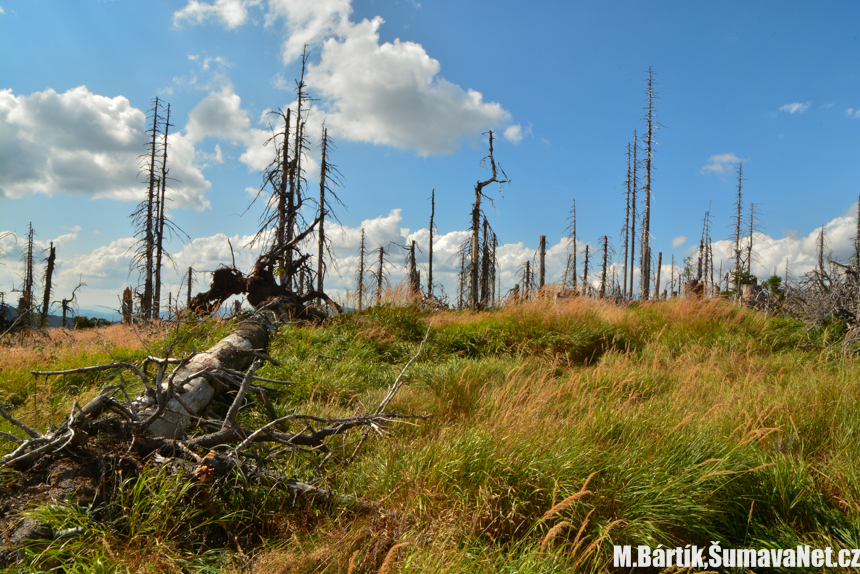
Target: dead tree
{"points": [[66, 303], [710, 247], [380, 275], [542, 259], [646, 216], [277, 175], [26, 302], [856, 260], [699, 253], [461, 282], [285, 176], [606, 259], [570, 267], [261, 287], [329, 176], [128, 306], [753, 227], [736, 238], [160, 221], [485, 266], [413, 276], [493, 271], [475, 266], [49, 273], [634, 184], [705, 262], [526, 280], [585, 285], [657, 280], [625, 231], [143, 217], [430, 255], [821, 250], [359, 273], [672, 277]]}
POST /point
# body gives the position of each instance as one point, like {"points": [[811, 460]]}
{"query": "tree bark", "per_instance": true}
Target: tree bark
{"points": [[195, 383], [542, 268], [430, 267], [49, 273]]}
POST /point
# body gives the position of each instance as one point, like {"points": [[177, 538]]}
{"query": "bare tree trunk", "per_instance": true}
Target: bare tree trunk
{"points": [[626, 227], [657, 281], [737, 237], [585, 272], [570, 278], [188, 300], [602, 292], [493, 272], [711, 260], [430, 266], [127, 306], [527, 282], [159, 223], [699, 259], [284, 190], [380, 276], [360, 279], [485, 267], [49, 272], [149, 234], [294, 197], [634, 185], [195, 393], [476, 227], [672, 278], [857, 238], [750, 244], [475, 253], [26, 303], [821, 250], [321, 242], [414, 276], [646, 218], [462, 281], [542, 268]]}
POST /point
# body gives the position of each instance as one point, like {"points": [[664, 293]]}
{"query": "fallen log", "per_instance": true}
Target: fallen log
{"points": [[88, 456], [186, 394]]}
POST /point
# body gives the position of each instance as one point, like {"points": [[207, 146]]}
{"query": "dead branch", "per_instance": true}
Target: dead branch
{"points": [[163, 424]]}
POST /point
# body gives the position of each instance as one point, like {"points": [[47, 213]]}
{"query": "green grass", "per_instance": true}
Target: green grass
{"points": [[695, 421]]}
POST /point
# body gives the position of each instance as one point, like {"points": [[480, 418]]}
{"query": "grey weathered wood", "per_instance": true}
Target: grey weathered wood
{"points": [[195, 383]]}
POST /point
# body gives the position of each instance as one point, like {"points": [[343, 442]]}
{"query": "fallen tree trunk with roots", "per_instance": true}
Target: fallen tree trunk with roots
{"points": [[114, 436], [260, 287]]}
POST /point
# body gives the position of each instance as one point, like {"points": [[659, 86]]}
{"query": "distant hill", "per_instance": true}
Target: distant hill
{"points": [[10, 313]]}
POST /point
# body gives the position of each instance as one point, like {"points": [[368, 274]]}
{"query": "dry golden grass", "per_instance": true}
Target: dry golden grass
{"points": [[56, 345]]}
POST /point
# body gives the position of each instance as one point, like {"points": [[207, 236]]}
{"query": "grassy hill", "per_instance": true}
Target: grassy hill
{"points": [[556, 430]]}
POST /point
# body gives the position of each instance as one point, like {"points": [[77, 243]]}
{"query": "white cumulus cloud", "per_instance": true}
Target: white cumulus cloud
{"points": [[514, 133], [795, 108], [680, 240], [231, 13], [388, 93], [84, 143], [720, 163], [392, 94]]}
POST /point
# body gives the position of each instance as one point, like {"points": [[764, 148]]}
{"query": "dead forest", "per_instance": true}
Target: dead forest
{"points": [[181, 411]]}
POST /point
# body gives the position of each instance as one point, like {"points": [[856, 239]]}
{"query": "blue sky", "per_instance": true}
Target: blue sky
{"points": [[406, 90]]}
